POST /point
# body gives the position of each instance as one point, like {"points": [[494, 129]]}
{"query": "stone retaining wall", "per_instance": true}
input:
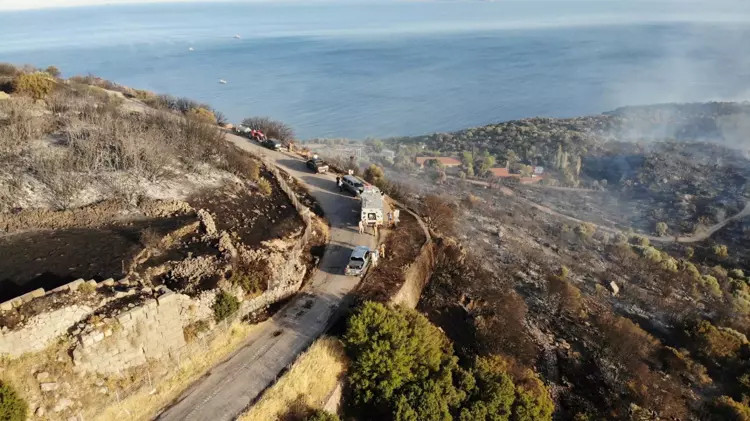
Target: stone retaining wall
{"points": [[416, 277], [149, 331], [41, 330]]}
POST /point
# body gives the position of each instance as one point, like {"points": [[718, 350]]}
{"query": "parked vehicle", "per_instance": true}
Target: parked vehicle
{"points": [[372, 206], [353, 184], [272, 144], [359, 261], [317, 165]]}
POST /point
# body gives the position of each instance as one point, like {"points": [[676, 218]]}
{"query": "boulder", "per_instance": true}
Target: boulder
{"points": [[48, 387], [614, 288], [62, 405]]}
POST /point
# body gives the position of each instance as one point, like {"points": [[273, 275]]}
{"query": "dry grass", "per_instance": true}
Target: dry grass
{"points": [[307, 385], [144, 404]]}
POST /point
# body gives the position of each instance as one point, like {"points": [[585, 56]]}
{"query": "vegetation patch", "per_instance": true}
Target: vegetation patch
{"points": [[305, 387], [12, 406], [403, 368]]}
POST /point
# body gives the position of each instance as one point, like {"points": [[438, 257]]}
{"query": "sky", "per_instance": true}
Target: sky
{"points": [[43, 4]]}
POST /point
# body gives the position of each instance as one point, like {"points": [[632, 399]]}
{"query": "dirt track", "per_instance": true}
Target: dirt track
{"points": [[692, 238]]}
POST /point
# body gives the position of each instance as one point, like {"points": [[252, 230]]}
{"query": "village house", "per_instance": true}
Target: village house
{"points": [[502, 172]]}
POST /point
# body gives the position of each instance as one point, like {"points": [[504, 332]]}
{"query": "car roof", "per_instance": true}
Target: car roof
{"points": [[353, 179], [360, 251]]}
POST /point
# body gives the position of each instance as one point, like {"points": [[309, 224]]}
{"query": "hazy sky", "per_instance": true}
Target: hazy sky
{"points": [[40, 4]]}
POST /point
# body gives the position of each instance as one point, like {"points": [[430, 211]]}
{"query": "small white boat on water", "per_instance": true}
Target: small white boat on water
{"points": [[237, 36], [222, 81], [191, 49]]}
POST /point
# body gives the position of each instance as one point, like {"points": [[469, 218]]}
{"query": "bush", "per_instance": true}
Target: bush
{"points": [[52, 71], [264, 186], [401, 364], [225, 305], [7, 69], [321, 415], [661, 229], [403, 368], [191, 331], [35, 85], [439, 214], [730, 410], [271, 128], [717, 342], [720, 250], [251, 276], [374, 174], [12, 406], [202, 114]]}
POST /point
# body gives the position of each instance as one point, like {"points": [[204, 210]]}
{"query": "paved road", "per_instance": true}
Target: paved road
{"points": [[230, 386]]}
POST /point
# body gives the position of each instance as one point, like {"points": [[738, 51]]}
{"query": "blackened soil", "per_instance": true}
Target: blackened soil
{"points": [[48, 259], [253, 217]]}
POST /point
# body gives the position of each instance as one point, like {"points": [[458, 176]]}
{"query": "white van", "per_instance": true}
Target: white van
{"points": [[372, 206]]}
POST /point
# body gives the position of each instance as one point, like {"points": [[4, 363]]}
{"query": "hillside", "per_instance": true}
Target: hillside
{"points": [[620, 277], [140, 247]]}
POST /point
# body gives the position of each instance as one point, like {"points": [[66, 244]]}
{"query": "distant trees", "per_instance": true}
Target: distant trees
{"points": [[52, 71], [271, 128]]}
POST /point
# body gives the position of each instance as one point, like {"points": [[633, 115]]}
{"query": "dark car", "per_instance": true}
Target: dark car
{"points": [[317, 165], [272, 144]]}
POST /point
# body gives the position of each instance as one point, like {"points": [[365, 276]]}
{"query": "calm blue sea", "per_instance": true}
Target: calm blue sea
{"points": [[361, 69]]}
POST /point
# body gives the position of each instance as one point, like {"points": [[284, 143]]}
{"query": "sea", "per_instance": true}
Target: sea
{"points": [[373, 69]]}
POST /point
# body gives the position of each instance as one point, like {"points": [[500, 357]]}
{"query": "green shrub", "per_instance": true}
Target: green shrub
{"points": [[403, 368], [712, 284], [717, 342], [225, 305], [720, 250], [661, 229], [202, 114], [12, 406], [400, 363], [320, 415], [373, 174], [264, 186], [36, 85]]}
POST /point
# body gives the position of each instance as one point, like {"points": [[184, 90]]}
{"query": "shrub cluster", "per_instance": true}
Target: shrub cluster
{"points": [[403, 368], [35, 85]]}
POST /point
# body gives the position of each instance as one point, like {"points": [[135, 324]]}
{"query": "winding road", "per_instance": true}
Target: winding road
{"points": [[231, 386]]}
